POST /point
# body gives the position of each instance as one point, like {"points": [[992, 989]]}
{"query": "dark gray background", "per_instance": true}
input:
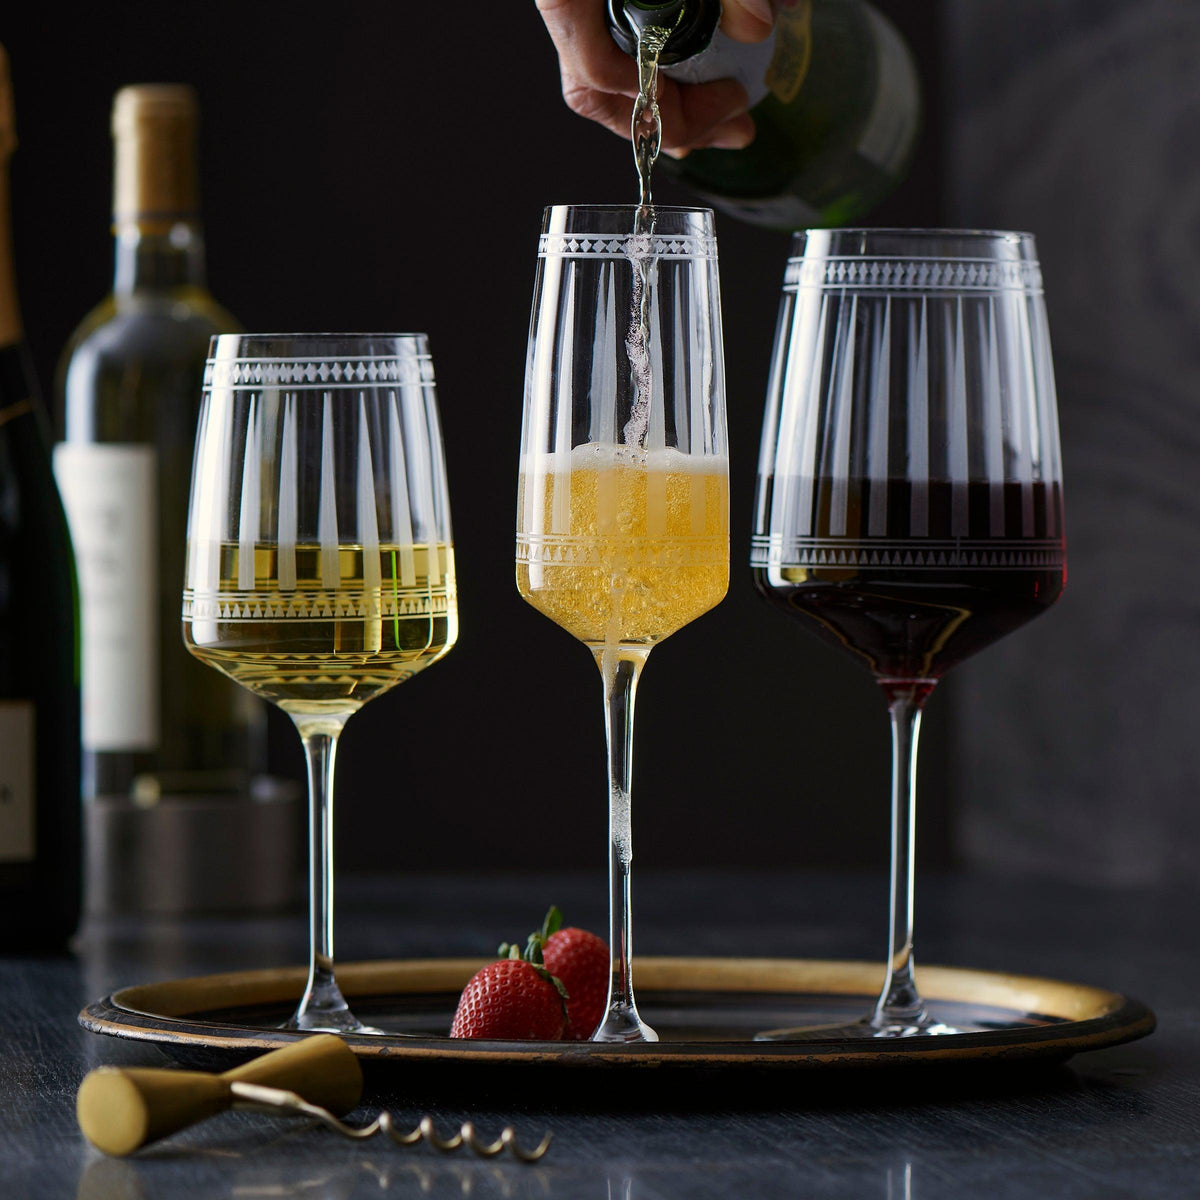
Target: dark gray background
{"points": [[385, 166], [1076, 741]]}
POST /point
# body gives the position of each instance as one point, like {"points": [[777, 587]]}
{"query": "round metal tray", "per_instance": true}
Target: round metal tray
{"points": [[706, 1011]]}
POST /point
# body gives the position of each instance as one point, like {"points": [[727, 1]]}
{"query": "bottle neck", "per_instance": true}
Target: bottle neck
{"points": [[17, 397], [158, 256], [692, 23], [10, 313], [156, 198]]}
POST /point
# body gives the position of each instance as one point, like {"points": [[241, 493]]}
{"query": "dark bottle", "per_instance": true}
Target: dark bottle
{"points": [[39, 640], [834, 97]]}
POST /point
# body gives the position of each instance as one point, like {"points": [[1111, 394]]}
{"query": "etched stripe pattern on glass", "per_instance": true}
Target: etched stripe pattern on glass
{"points": [[279, 501], [960, 342]]}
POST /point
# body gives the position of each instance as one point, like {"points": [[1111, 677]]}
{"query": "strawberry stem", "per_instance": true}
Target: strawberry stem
{"points": [[533, 955]]}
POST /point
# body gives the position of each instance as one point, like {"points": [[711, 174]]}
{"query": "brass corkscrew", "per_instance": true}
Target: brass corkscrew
{"points": [[121, 1109]]}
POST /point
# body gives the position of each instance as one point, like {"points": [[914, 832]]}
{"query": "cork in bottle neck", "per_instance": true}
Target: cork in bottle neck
{"points": [[154, 177]]}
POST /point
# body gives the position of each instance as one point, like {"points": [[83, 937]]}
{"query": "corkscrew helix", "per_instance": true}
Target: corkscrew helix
{"points": [[121, 1109], [275, 1100]]}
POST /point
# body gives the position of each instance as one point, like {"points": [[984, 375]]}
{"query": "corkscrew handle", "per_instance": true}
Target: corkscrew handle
{"points": [[121, 1109]]}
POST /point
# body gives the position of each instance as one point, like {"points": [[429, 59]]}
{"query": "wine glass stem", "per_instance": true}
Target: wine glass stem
{"points": [[322, 1006], [900, 1003], [620, 668]]}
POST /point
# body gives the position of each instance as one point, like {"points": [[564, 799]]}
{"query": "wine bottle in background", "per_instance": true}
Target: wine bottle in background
{"points": [[834, 97], [39, 640], [160, 732]]}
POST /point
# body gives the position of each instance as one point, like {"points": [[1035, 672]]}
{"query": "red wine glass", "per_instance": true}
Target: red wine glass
{"points": [[909, 500]]}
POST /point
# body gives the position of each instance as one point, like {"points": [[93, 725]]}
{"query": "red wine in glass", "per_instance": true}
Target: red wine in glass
{"points": [[911, 608]]}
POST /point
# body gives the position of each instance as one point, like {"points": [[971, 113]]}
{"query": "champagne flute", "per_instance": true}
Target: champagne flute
{"points": [[909, 500], [320, 571], [622, 511]]}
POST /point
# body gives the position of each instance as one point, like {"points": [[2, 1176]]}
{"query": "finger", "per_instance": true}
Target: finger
{"points": [[612, 110], [691, 112], [587, 54], [734, 134], [747, 20]]}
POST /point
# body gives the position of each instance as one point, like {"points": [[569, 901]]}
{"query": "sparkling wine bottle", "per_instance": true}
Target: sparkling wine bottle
{"points": [[834, 97], [39, 682], [156, 724]]}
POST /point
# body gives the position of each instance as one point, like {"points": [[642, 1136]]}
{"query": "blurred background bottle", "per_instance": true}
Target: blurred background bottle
{"points": [[160, 732], [834, 96], [39, 639]]}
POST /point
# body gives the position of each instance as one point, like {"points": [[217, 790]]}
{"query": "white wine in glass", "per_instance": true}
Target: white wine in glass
{"points": [[320, 568], [291, 652]]}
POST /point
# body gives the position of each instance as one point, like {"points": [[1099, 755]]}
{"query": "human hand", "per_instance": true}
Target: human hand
{"points": [[599, 80]]}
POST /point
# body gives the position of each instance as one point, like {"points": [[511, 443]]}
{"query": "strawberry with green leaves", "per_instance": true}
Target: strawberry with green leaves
{"points": [[556, 988], [513, 998]]}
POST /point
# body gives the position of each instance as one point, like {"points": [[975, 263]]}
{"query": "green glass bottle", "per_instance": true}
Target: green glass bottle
{"points": [[156, 724], [834, 97], [39, 641]]}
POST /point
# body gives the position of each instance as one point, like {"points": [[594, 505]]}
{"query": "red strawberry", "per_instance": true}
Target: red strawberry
{"points": [[512, 998], [581, 960]]}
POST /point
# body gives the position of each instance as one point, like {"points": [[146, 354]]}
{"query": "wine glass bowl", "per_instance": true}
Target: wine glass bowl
{"points": [[623, 496], [909, 498], [320, 568]]}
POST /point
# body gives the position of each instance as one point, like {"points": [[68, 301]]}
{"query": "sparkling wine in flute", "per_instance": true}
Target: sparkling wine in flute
{"points": [[623, 492], [647, 544], [310, 650]]}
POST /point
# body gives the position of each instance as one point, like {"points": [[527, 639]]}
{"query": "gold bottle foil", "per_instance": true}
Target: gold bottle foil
{"points": [[8, 124], [154, 180], [10, 317]]}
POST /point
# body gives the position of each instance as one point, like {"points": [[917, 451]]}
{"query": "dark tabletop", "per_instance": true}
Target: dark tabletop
{"points": [[1117, 1122]]}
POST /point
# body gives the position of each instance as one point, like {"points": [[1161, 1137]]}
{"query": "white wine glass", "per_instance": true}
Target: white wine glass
{"points": [[623, 504], [320, 569], [909, 506]]}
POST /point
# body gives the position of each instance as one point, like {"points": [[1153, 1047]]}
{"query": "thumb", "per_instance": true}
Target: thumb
{"points": [[748, 20]]}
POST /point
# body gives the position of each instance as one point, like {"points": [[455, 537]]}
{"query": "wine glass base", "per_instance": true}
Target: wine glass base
{"points": [[329, 1022], [624, 1025], [868, 1027], [323, 1009], [909, 1029]]}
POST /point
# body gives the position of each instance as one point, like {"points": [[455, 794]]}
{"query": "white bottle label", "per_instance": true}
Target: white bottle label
{"points": [[17, 812], [110, 493], [723, 58]]}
